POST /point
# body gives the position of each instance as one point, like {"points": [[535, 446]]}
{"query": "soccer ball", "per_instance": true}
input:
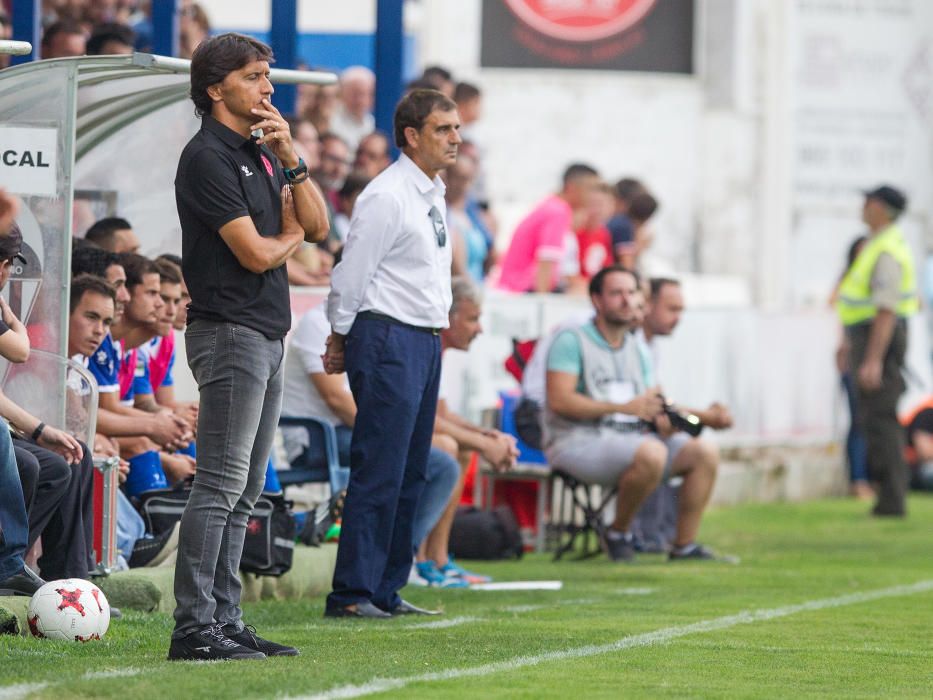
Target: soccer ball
{"points": [[70, 608]]}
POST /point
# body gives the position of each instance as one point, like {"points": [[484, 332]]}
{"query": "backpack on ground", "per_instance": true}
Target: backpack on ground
{"points": [[269, 545], [162, 508], [485, 534]]}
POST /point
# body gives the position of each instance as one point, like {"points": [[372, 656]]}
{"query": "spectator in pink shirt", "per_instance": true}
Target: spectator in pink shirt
{"points": [[545, 240]]}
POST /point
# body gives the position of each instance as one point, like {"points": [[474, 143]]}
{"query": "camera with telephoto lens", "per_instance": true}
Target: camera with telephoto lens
{"points": [[686, 422]]}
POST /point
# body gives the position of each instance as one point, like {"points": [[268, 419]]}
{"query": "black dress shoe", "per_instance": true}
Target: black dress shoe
{"points": [[362, 609], [406, 608], [248, 638], [26, 582]]}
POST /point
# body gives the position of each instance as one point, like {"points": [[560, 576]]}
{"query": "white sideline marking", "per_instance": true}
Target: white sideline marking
{"points": [[441, 624], [661, 636], [21, 690], [112, 673], [634, 591], [522, 608], [532, 608]]}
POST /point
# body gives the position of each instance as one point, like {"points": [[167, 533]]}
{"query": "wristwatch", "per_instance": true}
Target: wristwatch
{"points": [[298, 172]]}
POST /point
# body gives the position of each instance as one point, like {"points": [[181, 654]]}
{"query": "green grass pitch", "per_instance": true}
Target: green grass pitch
{"points": [[826, 602]]}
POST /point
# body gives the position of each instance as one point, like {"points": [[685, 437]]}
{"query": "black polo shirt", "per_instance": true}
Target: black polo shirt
{"points": [[221, 177]]}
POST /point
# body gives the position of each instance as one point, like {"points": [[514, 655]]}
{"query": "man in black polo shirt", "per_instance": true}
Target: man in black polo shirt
{"points": [[241, 217]]}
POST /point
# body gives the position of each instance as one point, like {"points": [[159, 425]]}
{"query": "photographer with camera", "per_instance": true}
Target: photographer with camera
{"points": [[656, 522], [599, 405]]}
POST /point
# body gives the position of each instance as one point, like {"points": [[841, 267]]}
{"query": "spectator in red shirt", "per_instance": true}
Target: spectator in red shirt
{"points": [[593, 238]]}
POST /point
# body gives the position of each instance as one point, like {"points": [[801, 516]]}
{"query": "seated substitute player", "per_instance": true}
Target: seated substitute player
{"points": [[310, 391], [433, 562], [656, 522], [55, 469]]}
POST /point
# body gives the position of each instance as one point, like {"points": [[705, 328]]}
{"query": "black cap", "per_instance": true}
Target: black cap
{"points": [[891, 196], [11, 244]]}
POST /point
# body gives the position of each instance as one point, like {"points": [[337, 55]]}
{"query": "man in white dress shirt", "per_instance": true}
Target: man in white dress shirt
{"points": [[390, 296]]}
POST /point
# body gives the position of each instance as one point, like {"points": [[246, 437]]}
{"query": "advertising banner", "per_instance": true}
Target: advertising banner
{"points": [[27, 160], [635, 35]]}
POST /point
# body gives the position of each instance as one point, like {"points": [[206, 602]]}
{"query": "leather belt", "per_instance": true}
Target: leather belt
{"points": [[376, 316]]}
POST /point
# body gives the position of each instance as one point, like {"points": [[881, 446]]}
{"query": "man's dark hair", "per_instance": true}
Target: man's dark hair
{"points": [[91, 260], [82, 284], [103, 233], [628, 187], [110, 31], [171, 257], [596, 283], [77, 243], [642, 207], [62, 26], [659, 283], [353, 185], [464, 92], [414, 109], [420, 84], [136, 267], [168, 271], [576, 171], [217, 57], [437, 73]]}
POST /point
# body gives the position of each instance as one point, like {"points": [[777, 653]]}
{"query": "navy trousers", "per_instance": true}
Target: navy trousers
{"points": [[394, 372]]}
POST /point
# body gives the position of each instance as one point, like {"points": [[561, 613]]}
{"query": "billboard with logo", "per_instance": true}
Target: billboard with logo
{"points": [[635, 35]]}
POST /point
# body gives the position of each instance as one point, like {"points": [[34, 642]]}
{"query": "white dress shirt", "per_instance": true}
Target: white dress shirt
{"points": [[392, 262]]}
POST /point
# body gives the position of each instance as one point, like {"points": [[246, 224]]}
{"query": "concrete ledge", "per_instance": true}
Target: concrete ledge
{"points": [[780, 473], [310, 575]]}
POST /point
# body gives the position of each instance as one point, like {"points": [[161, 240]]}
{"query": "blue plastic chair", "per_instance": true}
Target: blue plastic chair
{"points": [[526, 453], [320, 432]]}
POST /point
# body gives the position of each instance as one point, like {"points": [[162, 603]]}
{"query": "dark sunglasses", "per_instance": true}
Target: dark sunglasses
{"points": [[439, 231]]}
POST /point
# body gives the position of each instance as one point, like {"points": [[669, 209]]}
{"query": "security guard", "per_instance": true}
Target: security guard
{"points": [[876, 296]]}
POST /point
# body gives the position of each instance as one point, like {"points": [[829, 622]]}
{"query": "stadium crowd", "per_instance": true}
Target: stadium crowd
{"points": [[593, 383]]}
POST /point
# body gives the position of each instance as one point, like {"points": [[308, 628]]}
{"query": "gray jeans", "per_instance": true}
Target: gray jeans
{"points": [[239, 376]]}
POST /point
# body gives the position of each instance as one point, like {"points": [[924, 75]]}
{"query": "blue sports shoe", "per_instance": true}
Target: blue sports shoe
{"points": [[453, 570], [428, 572]]}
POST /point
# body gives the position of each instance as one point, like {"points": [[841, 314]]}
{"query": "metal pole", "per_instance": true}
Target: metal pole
{"points": [[389, 35], [283, 35], [27, 26], [165, 27]]}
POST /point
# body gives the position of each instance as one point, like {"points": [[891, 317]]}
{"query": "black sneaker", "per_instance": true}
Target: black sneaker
{"points": [[25, 583], [618, 548], [210, 644], [249, 639]]}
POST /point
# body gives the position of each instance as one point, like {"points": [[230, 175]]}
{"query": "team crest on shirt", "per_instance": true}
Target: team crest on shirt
{"points": [[266, 163], [246, 171]]}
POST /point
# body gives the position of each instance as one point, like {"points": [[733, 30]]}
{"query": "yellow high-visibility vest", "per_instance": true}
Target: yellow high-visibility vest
{"points": [[855, 304]]}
